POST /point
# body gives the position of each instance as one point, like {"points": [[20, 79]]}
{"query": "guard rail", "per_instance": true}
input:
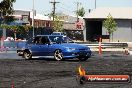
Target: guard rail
{"points": [[13, 45], [107, 45]]}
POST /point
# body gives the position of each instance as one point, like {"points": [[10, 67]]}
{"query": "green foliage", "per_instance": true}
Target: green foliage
{"points": [[15, 28], [27, 27], [80, 12], [8, 19], [2, 26], [57, 24], [6, 6], [110, 24]]}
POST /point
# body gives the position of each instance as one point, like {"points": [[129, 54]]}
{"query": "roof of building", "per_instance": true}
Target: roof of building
{"points": [[21, 12], [116, 13], [40, 16]]}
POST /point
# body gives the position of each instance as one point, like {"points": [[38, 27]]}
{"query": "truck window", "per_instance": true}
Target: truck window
{"points": [[36, 40], [45, 40], [30, 41]]}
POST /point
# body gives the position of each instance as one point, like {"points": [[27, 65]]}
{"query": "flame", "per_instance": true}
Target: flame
{"points": [[81, 71]]}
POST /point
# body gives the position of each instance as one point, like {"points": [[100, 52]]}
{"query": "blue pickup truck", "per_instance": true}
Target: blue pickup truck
{"points": [[57, 47]]}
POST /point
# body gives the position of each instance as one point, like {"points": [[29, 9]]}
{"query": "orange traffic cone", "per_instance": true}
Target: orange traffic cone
{"points": [[100, 48]]}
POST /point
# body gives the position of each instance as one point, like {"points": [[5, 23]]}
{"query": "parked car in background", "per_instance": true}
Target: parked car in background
{"points": [[53, 46], [58, 33], [9, 39]]}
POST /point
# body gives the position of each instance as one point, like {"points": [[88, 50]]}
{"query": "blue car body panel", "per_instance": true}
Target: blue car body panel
{"points": [[69, 50]]}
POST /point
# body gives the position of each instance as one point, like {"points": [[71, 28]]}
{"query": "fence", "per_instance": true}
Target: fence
{"points": [[12, 46], [9, 45], [121, 47], [107, 45]]}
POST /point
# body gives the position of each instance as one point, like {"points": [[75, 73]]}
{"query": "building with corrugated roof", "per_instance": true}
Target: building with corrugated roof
{"points": [[94, 24]]}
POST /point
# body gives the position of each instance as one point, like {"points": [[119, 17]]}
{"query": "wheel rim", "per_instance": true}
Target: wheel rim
{"points": [[58, 55], [27, 55]]}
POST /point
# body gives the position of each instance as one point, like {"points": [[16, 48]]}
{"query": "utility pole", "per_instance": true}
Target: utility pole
{"points": [[54, 7], [95, 4], [78, 3], [33, 18]]}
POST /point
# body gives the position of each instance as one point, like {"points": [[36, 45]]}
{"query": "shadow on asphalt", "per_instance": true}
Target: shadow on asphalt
{"points": [[113, 56], [66, 60]]}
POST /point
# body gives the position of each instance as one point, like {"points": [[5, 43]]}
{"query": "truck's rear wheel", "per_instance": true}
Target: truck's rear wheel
{"points": [[19, 53], [27, 55]]}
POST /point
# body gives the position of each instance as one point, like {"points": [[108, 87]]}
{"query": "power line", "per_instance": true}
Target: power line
{"points": [[66, 5], [65, 9], [54, 5]]}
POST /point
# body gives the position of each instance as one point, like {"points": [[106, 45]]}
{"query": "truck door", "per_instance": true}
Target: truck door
{"points": [[44, 46], [35, 47]]}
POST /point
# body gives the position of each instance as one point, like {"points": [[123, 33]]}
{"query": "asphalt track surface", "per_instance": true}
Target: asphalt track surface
{"points": [[20, 73]]}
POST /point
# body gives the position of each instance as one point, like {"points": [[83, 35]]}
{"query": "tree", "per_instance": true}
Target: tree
{"points": [[110, 25], [16, 29], [6, 7], [57, 24], [81, 12]]}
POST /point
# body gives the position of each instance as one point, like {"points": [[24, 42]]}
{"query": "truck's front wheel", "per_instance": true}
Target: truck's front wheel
{"points": [[58, 55]]}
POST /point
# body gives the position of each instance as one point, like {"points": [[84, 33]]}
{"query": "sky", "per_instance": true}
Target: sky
{"points": [[68, 6]]}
